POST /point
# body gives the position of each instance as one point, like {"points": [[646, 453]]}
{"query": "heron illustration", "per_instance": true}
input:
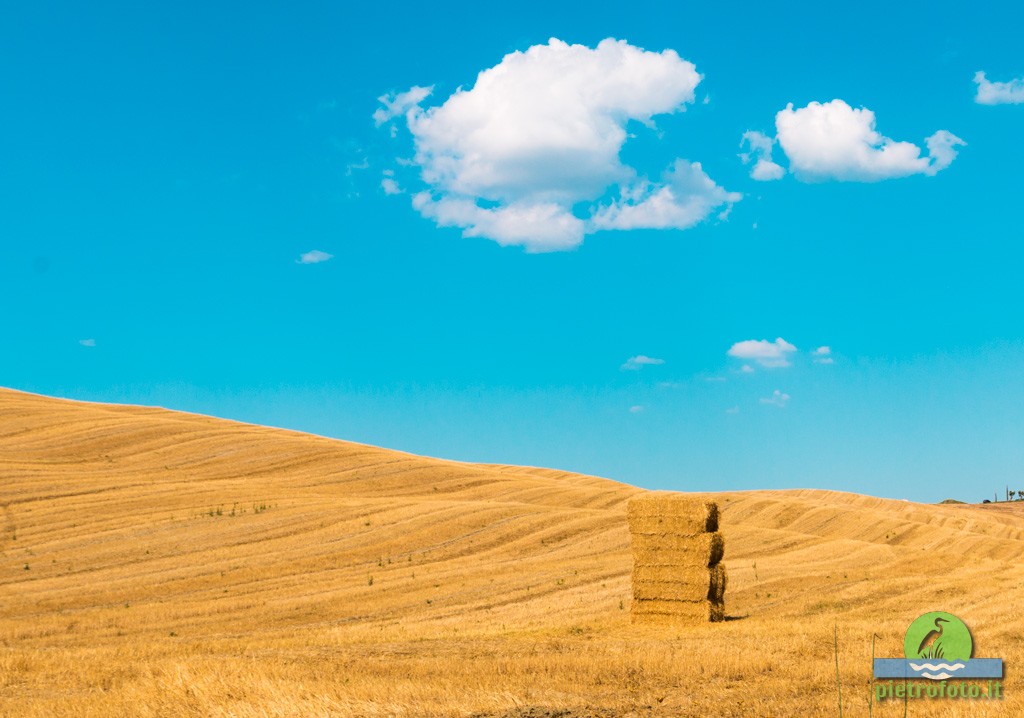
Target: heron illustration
{"points": [[931, 642]]}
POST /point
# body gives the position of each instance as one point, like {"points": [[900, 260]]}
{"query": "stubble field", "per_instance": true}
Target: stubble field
{"points": [[154, 563]]}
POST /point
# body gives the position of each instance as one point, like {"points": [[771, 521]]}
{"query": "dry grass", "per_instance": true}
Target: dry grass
{"points": [[162, 564]]}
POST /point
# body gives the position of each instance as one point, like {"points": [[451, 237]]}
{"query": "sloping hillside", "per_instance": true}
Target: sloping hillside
{"points": [[159, 563]]}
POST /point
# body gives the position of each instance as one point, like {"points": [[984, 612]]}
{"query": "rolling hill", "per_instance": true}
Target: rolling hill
{"points": [[155, 563]]}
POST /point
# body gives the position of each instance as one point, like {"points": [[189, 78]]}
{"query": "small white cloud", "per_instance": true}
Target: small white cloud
{"points": [[770, 355], [313, 257], [353, 167], [638, 362], [715, 379], [764, 169], [823, 355], [777, 398], [998, 93], [746, 369], [636, 409], [670, 385], [400, 104], [87, 342], [833, 141], [733, 410], [390, 186]]}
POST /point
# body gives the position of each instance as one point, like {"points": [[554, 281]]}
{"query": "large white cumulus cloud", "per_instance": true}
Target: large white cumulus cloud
{"points": [[834, 141], [540, 132]]}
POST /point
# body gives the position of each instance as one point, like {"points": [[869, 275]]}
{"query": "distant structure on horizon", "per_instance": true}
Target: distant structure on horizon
{"points": [[678, 575]]}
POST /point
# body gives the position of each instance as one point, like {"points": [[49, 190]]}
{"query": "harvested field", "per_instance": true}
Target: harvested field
{"points": [[154, 563]]}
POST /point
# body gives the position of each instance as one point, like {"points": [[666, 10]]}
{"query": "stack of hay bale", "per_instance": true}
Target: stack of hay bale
{"points": [[677, 552]]}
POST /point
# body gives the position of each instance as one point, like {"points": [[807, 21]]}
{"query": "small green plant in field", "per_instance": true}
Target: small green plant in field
{"points": [[622, 606], [369, 581]]}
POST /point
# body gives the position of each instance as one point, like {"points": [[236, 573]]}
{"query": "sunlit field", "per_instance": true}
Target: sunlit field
{"points": [[159, 564]]}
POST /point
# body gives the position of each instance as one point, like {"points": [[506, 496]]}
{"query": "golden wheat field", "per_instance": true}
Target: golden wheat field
{"points": [[155, 563]]}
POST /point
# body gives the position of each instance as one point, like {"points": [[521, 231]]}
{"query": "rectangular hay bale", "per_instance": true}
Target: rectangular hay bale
{"points": [[672, 504], [671, 525], [662, 611], [702, 550], [711, 586]]}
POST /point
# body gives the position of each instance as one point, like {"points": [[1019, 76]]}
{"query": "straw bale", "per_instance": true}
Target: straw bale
{"points": [[671, 525], [710, 587], [673, 505], [699, 575], [662, 611], [701, 550]]}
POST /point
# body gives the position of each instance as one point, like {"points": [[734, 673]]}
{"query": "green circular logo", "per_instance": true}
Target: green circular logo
{"points": [[938, 635]]}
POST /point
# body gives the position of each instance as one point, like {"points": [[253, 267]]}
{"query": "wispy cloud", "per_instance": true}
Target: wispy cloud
{"points": [[398, 104], [764, 169], [778, 399], [733, 410], [770, 355], [313, 257], [636, 409], [998, 93], [639, 362], [823, 355], [390, 186], [87, 342]]}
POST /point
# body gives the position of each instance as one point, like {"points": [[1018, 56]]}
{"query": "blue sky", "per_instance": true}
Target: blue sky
{"points": [[496, 261]]}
